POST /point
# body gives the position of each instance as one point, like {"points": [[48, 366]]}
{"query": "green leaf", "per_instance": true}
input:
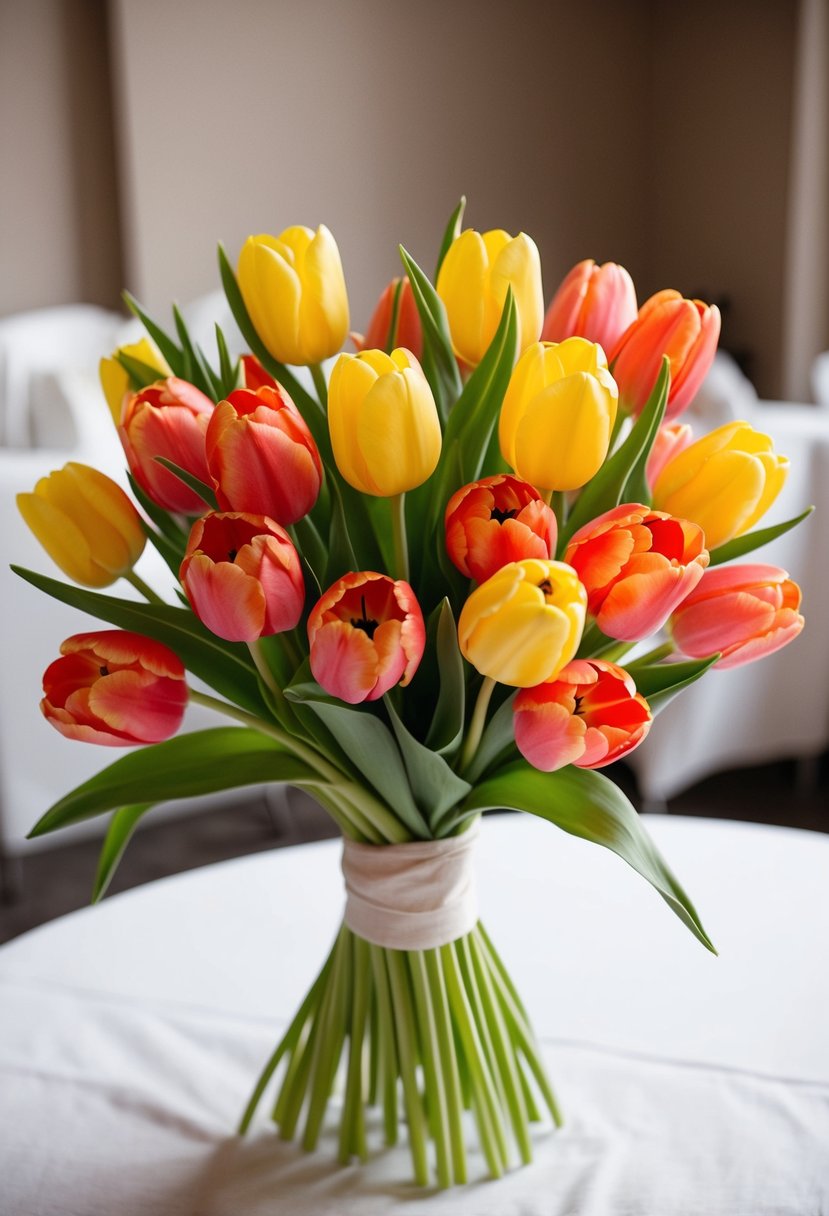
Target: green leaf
{"points": [[311, 547], [659, 683], [371, 748], [587, 804], [175, 358], [439, 364], [609, 486], [188, 766], [205, 492], [161, 518], [140, 374], [498, 738], [170, 552], [446, 728], [741, 545], [200, 373], [452, 232], [228, 370], [391, 336], [341, 558], [225, 666], [123, 823], [436, 788]]}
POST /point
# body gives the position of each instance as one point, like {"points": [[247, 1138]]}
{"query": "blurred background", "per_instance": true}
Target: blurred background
{"points": [[689, 143]]}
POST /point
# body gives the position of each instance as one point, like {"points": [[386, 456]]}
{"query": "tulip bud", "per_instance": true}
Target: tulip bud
{"points": [[742, 612], [167, 419], [524, 624], [254, 375], [116, 688], [558, 413], [474, 278], [495, 521], [115, 380], [262, 457], [637, 566], [590, 715], [384, 425], [294, 290], [86, 524], [593, 302], [242, 576], [408, 331], [366, 634], [669, 442], [687, 331], [725, 481]]}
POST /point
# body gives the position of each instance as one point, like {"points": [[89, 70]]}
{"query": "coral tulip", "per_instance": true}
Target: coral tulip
{"points": [[590, 715], [474, 278], [725, 481], [593, 302], [116, 688], [254, 375], [242, 576], [384, 425], [86, 524], [637, 566], [742, 612], [262, 457], [524, 623], [115, 380], [167, 419], [494, 521], [558, 413], [294, 290], [408, 331], [670, 440], [687, 331], [366, 634]]}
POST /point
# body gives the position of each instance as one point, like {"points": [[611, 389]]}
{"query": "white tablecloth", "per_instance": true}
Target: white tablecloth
{"points": [[131, 1034]]}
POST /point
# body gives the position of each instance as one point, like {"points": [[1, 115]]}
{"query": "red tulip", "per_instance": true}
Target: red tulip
{"points": [[366, 635], [261, 455], [669, 442], [167, 419], [254, 374], [687, 331], [590, 715], [242, 576], [115, 688], [497, 520], [637, 566], [744, 612], [593, 302], [408, 331]]}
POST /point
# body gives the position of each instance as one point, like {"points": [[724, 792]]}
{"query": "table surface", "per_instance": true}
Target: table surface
{"points": [[132, 1034]]}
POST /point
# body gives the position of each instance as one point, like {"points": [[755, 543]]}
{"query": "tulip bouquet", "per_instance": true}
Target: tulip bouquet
{"points": [[420, 588]]}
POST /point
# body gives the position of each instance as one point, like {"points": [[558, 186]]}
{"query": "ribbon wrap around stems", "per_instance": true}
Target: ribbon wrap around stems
{"points": [[413, 896]]}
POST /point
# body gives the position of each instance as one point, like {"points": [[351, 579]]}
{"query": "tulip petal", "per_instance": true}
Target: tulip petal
{"points": [[143, 707], [344, 662], [227, 600]]}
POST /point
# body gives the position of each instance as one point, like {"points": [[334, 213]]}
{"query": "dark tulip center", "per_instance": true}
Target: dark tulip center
{"points": [[546, 586], [103, 671], [364, 622], [231, 555], [501, 516]]}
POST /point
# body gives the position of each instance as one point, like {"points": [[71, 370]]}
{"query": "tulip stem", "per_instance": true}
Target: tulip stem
{"points": [[318, 376], [140, 586], [658, 653], [476, 725], [559, 505], [398, 528]]}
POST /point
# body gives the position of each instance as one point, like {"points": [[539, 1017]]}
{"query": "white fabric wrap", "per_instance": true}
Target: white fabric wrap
{"points": [[413, 896]]}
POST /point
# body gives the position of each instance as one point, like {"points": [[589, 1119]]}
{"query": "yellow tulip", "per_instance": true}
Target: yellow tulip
{"points": [[473, 282], [523, 625], [724, 482], [384, 426], [114, 380], [558, 414], [294, 291], [86, 524]]}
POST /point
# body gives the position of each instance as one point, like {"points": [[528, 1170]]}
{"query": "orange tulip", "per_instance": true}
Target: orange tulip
{"points": [[366, 634], [669, 442], [254, 375], [637, 566], [167, 419], [242, 576], [590, 715], [494, 521], [687, 331], [261, 455], [742, 612], [116, 688], [593, 302], [408, 331]]}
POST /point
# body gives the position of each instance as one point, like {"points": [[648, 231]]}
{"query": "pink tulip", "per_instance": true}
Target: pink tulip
{"points": [[366, 634], [262, 457], [116, 688], [497, 520], [669, 442], [242, 576], [590, 715], [687, 331], [408, 331], [167, 419], [637, 565], [744, 612], [593, 302]]}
